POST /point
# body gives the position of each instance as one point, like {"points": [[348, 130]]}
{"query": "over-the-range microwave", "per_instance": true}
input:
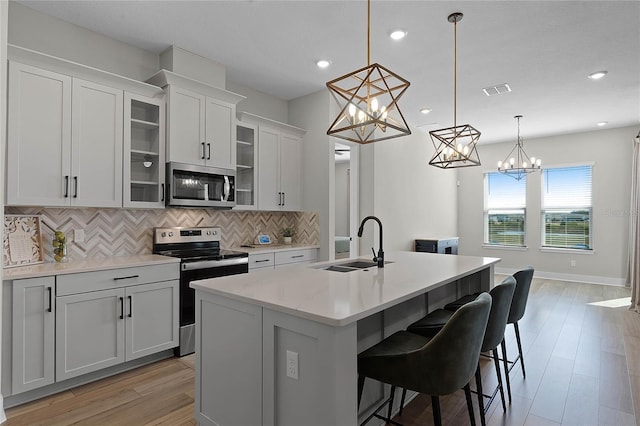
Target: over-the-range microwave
{"points": [[189, 185]]}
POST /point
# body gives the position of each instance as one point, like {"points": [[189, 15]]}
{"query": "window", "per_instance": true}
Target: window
{"points": [[504, 210], [566, 207]]}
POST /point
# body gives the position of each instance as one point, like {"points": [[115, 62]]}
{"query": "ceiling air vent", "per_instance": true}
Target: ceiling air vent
{"points": [[497, 90]]}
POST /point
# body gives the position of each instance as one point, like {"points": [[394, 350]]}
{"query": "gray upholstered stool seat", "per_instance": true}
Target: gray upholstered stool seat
{"points": [[501, 297], [434, 366], [454, 306]]}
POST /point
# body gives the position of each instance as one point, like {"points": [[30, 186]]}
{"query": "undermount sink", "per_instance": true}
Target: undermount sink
{"points": [[351, 266]]}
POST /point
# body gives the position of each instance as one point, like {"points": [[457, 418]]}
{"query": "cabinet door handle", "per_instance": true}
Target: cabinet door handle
{"points": [[208, 151], [284, 199], [130, 306], [279, 198], [162, 193], [203, 150], [50, 299], [126, 278], [121, 307], [75, 184], [66, 186]]}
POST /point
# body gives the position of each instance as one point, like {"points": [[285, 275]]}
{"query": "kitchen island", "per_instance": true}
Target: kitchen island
{"points": [[280, 347]]}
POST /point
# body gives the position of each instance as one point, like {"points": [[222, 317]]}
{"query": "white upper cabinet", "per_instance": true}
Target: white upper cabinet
{"points": [[65, 132], [39, 137], [279, 164], [201, 125], [96, 145]]}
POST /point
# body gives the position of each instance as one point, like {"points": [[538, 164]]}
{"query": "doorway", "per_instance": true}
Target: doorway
{"points": [[346, 200]]}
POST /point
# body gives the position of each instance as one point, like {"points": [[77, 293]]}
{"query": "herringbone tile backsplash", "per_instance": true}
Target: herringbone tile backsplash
{"points": [[124, 232]]}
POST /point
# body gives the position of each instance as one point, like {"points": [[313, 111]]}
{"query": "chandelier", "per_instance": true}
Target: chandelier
{"points": [[517, 163], [368, 101], [455, 146]]}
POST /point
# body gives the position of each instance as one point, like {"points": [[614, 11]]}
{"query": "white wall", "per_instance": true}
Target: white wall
{"points": [[4, 14], [610, 152], [312, 112], [260, 103], [36, 31], [411, 198], [342, 198]]}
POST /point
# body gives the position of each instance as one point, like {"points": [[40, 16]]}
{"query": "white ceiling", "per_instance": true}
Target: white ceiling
{"points": [[543, 49]]}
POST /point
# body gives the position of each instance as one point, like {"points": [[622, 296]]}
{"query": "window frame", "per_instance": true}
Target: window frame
{"points": [[543, 211], [514, 210]]}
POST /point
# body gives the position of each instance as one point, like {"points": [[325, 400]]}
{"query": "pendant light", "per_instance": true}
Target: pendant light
{"points": [[517, 163], [368, 102], [455, 146]]}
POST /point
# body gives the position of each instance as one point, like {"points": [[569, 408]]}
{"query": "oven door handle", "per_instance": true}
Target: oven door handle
{"points": [[207, 264]]}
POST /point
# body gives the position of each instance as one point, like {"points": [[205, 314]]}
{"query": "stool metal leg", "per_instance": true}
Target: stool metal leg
{"points": [[506, 368], [497, 364], [435, 405], [404, 394], [515, 325], [393, 392], [480, 396], [360, 388], [467, 394]]}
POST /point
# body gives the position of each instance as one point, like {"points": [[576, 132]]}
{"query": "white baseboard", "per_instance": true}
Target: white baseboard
{"points": [[589, 279], [3, 416]]}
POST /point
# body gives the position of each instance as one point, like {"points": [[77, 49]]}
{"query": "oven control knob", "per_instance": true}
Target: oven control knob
{"points": [[164, 234], [208, 232], [171, 234]]}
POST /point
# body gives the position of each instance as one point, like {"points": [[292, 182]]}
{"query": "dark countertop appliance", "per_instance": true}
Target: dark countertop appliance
{"points": [[200, 258]]}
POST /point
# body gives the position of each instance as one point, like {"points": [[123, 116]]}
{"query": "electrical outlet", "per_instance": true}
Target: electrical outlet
{"points": [[78, 235], [292, 365], [573, 263]]}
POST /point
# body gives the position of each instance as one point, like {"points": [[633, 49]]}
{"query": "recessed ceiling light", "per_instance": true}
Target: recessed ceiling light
{"points": [[602, 123], [597, 75], [398, 34], [425, 110], [323, 63]]}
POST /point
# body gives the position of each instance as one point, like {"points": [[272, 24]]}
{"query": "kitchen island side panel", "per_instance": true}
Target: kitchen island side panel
{"points": [[228, 361], [325, 392]]}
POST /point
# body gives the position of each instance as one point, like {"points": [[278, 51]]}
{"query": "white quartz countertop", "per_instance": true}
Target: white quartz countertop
{"points": [[85, 265], [340, 298], [271, 248]]}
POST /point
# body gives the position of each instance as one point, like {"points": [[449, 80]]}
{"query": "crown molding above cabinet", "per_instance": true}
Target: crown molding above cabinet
{"points": [[164, 78]]}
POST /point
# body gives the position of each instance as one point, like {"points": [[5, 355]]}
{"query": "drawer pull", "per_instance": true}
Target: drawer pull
{"points": [[130, 306], [297, 256], [121, 307], [126, 278], [263, 260]]}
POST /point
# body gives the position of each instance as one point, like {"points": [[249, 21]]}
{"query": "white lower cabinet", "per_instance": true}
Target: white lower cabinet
{"points": [[267, 261], [33, 337], [128, 319]]}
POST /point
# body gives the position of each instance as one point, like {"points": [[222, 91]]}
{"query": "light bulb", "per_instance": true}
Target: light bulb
{"points": [[524, 164], [499, 164], [374, 104], [533, 161], [512, 161], [352, 110], [465, 150], [538, 162], [361, 116]]}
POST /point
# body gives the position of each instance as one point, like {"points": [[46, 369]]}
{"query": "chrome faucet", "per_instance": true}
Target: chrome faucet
{"points": [[380, 257]]}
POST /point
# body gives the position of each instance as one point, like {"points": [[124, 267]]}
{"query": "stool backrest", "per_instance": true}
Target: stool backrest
{"points": [[520, 296], [448, 361], [501, 297]]}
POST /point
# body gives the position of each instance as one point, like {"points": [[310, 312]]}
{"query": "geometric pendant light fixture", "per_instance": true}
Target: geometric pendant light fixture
{"points": [[455, 146], [517, 163], [367, 102]]}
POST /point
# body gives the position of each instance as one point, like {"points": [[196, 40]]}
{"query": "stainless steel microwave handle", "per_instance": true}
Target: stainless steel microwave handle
{"points": [[226, 189], [208, 264]]}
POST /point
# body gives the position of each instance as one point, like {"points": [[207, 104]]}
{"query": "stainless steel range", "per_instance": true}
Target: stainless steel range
{"points": [[201, 257]]}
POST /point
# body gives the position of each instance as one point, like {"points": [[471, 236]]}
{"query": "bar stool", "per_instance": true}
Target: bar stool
{"points": [[501, 297], [518, 306], [434, 366]]}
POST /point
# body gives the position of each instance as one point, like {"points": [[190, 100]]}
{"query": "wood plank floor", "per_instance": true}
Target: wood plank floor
{"points": [[582, 357]]}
